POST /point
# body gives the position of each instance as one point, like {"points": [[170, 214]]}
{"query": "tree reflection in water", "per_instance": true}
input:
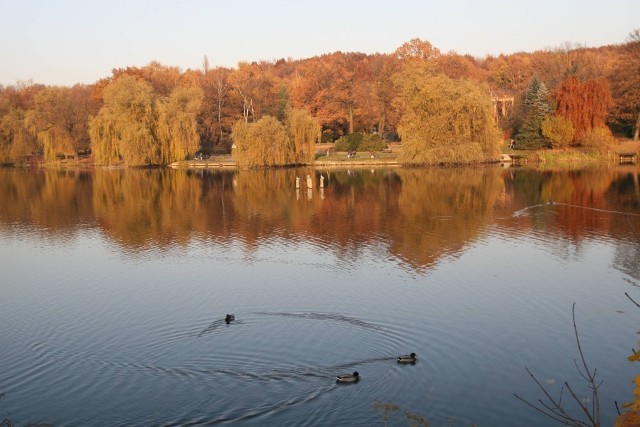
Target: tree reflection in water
{"points": [[421, 215]]}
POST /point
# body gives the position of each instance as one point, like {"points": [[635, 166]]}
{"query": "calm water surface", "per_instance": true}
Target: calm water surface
{"points": [[114, 285]]}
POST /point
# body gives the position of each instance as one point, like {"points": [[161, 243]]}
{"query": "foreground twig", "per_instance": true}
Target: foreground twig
{"points": [[632, 300], [554, 409]]}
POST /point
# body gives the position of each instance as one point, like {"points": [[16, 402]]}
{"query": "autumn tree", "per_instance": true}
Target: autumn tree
{"points": [[163, 79], [417, 51], [458, 66], [304, 132], [445, 120], [16, 142], [558, 130], [585, 104], [216, 116], [509, 73], [47, 123], [626, 85], [177, 124], [268, 142], [536, 108], [125, 128], [137, 127], [59, 120], [257, 88], [383, 91], [311, 88], [333, 88], [262, 143]]}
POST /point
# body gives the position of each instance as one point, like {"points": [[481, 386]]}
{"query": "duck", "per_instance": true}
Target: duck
{"points": [[348, 378], [407, 358], [229, 317]]}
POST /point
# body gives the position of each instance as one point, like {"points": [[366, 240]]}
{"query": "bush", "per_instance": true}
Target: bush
{"points": [[328, 135], [558, 130], [349, 142], [391, 136], [372, 143], [358, 141], [597, 140]]}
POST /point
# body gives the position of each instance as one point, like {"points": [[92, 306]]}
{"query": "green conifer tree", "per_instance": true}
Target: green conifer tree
{"points": [[537, 107]]}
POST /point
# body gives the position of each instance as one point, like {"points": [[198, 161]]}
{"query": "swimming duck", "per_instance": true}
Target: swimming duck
{"points": [[407, 358], [229, 317], [348, 378]]}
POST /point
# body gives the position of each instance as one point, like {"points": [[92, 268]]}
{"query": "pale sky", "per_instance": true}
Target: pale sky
{"points": [[63, 42]]}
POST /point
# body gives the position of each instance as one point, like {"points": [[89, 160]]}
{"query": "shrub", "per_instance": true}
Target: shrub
{"points": [[328, 135], [597, 140], [358, 141], [558, 130], [371, 143], [349, 142]]}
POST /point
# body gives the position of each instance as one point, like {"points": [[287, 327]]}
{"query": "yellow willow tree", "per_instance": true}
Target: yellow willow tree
{"points": [[124, 131], [304, 131], [51, 122], [445, 121], [177, 125], [16, 142], [262, 143]]}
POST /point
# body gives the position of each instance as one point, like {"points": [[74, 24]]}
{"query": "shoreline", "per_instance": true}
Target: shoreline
{"points": [[534, 158]]}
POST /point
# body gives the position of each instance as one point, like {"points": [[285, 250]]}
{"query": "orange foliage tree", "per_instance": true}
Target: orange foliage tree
{"points": [[625, 78], [584, 103]]}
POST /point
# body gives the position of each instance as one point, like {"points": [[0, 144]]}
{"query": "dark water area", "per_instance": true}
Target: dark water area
{"points": [[114, 286]]}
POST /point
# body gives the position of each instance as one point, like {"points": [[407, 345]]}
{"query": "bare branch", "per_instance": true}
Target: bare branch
{"points": [[552, 416], [554, 408], [582, 406], [632, 300]]}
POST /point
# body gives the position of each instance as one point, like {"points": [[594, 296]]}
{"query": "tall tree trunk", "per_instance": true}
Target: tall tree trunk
{"points": [[636, 131], [350, 119], [219, 136]]}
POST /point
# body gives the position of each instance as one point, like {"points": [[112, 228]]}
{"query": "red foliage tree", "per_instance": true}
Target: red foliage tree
{"points": [[584, 103]]}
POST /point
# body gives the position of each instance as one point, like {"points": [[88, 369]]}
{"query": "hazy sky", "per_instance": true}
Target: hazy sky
{"points": [[62, 42]]}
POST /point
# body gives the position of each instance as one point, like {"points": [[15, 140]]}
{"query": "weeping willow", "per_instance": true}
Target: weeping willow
{"points": [[262, 143], [445, 121], [135, 127], [178, 127], [55, 141], [304, 131], [16, 142], [124, 129], [268, 142]]}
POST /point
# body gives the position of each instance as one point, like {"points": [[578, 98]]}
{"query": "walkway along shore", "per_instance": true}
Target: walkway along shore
{"points": [[228, 162]]}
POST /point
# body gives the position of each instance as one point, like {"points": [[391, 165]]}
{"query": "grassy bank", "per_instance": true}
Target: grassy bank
{"points": [[327, 156], [575, 157]]}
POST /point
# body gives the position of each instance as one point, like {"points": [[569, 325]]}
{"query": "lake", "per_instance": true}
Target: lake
{"points": [[115, 284]]}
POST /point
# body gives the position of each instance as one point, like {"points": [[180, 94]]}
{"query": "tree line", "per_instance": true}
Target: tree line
{"points": [[440, 105]]}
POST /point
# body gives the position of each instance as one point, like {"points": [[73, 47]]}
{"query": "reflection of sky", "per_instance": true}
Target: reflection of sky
{"points": [[502, 303]]}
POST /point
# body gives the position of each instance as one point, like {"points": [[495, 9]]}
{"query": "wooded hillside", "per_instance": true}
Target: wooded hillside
{"points": [[157, 114]]}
